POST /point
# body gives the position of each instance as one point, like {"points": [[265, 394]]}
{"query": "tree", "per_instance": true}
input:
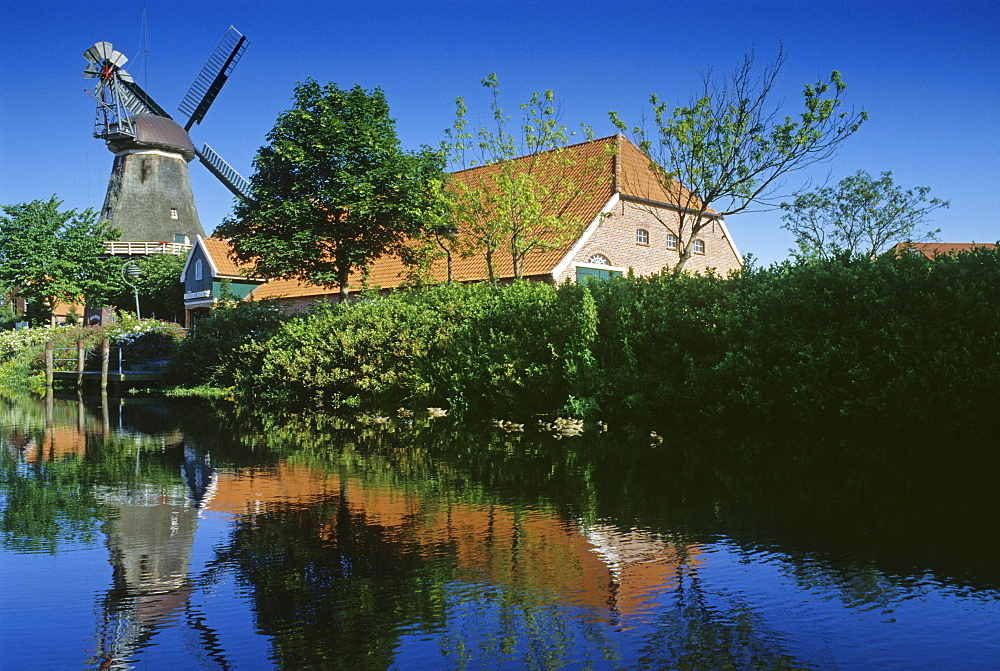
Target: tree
{"points": [[332, 191], [161, 293], [858, 216], [526, 179], [53, 256], [729, 149]]}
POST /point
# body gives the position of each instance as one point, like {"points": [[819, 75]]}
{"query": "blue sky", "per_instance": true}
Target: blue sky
{"points": [[926, 72]]}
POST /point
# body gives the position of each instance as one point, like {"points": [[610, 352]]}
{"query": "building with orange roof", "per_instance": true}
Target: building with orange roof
{"points": [[932, 249], [619, 217]]}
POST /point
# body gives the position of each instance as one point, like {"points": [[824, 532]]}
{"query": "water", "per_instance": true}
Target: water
{"points": [[152, 535]]}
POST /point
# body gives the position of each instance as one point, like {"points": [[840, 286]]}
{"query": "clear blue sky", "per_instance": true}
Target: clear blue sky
{"points": [[927, 73]]}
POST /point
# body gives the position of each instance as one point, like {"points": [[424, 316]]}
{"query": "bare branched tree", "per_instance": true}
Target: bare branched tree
{"points": [[729, 148]]}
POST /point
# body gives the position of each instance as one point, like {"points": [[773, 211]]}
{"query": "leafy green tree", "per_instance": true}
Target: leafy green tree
{"points": [[161, 293], [332, 191], [730, 149], [514, 203], [52, 255], [859, 215]]}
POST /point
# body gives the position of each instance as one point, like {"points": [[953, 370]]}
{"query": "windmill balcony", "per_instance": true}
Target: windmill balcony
{"points": [[138, 248]]}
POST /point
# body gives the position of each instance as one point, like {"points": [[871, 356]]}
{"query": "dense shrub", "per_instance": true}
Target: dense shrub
{"points": [[853, 340], [22, 352], [520, 346], [892, 340], [657, 338], [210, 351]]}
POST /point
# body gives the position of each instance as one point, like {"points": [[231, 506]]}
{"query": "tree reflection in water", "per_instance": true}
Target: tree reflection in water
{"points": [[433, 543]]}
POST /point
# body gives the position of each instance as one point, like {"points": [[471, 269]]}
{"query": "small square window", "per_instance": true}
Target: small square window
{"points": [[173, 212], [671, 241], [699, 246], [642, 236]]}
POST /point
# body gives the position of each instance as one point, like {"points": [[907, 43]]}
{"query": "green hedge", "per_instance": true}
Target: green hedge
{"points": [[896, 340]]}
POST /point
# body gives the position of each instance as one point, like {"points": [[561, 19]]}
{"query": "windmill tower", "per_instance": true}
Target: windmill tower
{"points": [[149, 196]]}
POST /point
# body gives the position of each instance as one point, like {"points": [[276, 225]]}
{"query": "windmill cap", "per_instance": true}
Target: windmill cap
{"points": [[157, 132]]}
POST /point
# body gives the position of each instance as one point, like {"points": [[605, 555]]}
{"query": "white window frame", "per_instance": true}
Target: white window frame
{"points": [[672, 242], [699, 246], [641, 236]]}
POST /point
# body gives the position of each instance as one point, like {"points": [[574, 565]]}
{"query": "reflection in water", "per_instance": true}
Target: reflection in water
{"points": [[346, 546]]}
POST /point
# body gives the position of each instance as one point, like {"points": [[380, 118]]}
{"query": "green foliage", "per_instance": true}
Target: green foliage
{"points": [[730, 148], [161, 294], [51, 256], [894, 341], [22, 352], [209, 351], [858, 216], [516, 204], [899, 341], [657, 337], [474, 346], [333, 189]]}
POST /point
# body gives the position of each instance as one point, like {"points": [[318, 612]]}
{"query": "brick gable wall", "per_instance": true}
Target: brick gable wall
{"points": [[615, 238]]}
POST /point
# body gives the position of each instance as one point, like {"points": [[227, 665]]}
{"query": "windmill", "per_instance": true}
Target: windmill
{"points": [[149, 195]]}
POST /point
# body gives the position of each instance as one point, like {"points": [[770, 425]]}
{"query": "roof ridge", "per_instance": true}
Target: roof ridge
{"points": [[576, 145]]}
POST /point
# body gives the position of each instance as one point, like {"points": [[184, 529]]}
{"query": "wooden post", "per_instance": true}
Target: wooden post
{"points": [[79, 362], [48, 364], [105, 354]]}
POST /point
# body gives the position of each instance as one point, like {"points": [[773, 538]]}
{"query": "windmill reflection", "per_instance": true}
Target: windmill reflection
{"points": [[150, 520], [150, 533]]}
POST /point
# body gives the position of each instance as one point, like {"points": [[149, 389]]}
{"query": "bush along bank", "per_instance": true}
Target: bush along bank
{"points": [[22, 352], [893, 340]]}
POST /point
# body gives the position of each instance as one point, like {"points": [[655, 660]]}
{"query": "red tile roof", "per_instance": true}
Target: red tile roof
{"points": [[932, 249], [592, 171]]}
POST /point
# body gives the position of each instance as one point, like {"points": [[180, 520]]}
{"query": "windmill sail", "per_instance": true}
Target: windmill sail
{"points": [[213, 76], [217, 165], [138, 101]]}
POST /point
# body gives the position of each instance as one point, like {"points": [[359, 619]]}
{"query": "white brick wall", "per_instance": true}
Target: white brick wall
{"points": [[615, 238]]}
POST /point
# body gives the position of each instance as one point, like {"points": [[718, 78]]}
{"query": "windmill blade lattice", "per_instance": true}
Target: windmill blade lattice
{"points": [[234, 181], [213, 76]]}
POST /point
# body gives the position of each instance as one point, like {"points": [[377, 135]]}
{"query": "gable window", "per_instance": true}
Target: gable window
{"points": [[173, 212], [699, 246], [642, 236], [198, 275], [671, 241], [599, 260]]}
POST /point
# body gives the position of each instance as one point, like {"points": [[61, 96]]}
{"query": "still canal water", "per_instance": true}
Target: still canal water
{"points": [[155, 535]]}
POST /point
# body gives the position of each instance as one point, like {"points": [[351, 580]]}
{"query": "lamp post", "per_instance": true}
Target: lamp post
{"points": [[132, 270]]}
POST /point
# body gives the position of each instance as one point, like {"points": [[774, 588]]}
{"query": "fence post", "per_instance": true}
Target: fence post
{"points": [[105, 355], [48, 364], [79, 362]]}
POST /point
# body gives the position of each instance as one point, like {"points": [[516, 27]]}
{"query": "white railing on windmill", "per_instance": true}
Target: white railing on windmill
{"points": [[140, 248]]}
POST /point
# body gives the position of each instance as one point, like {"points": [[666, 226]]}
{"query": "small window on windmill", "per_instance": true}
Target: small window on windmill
{"points": [[173, 212]]}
